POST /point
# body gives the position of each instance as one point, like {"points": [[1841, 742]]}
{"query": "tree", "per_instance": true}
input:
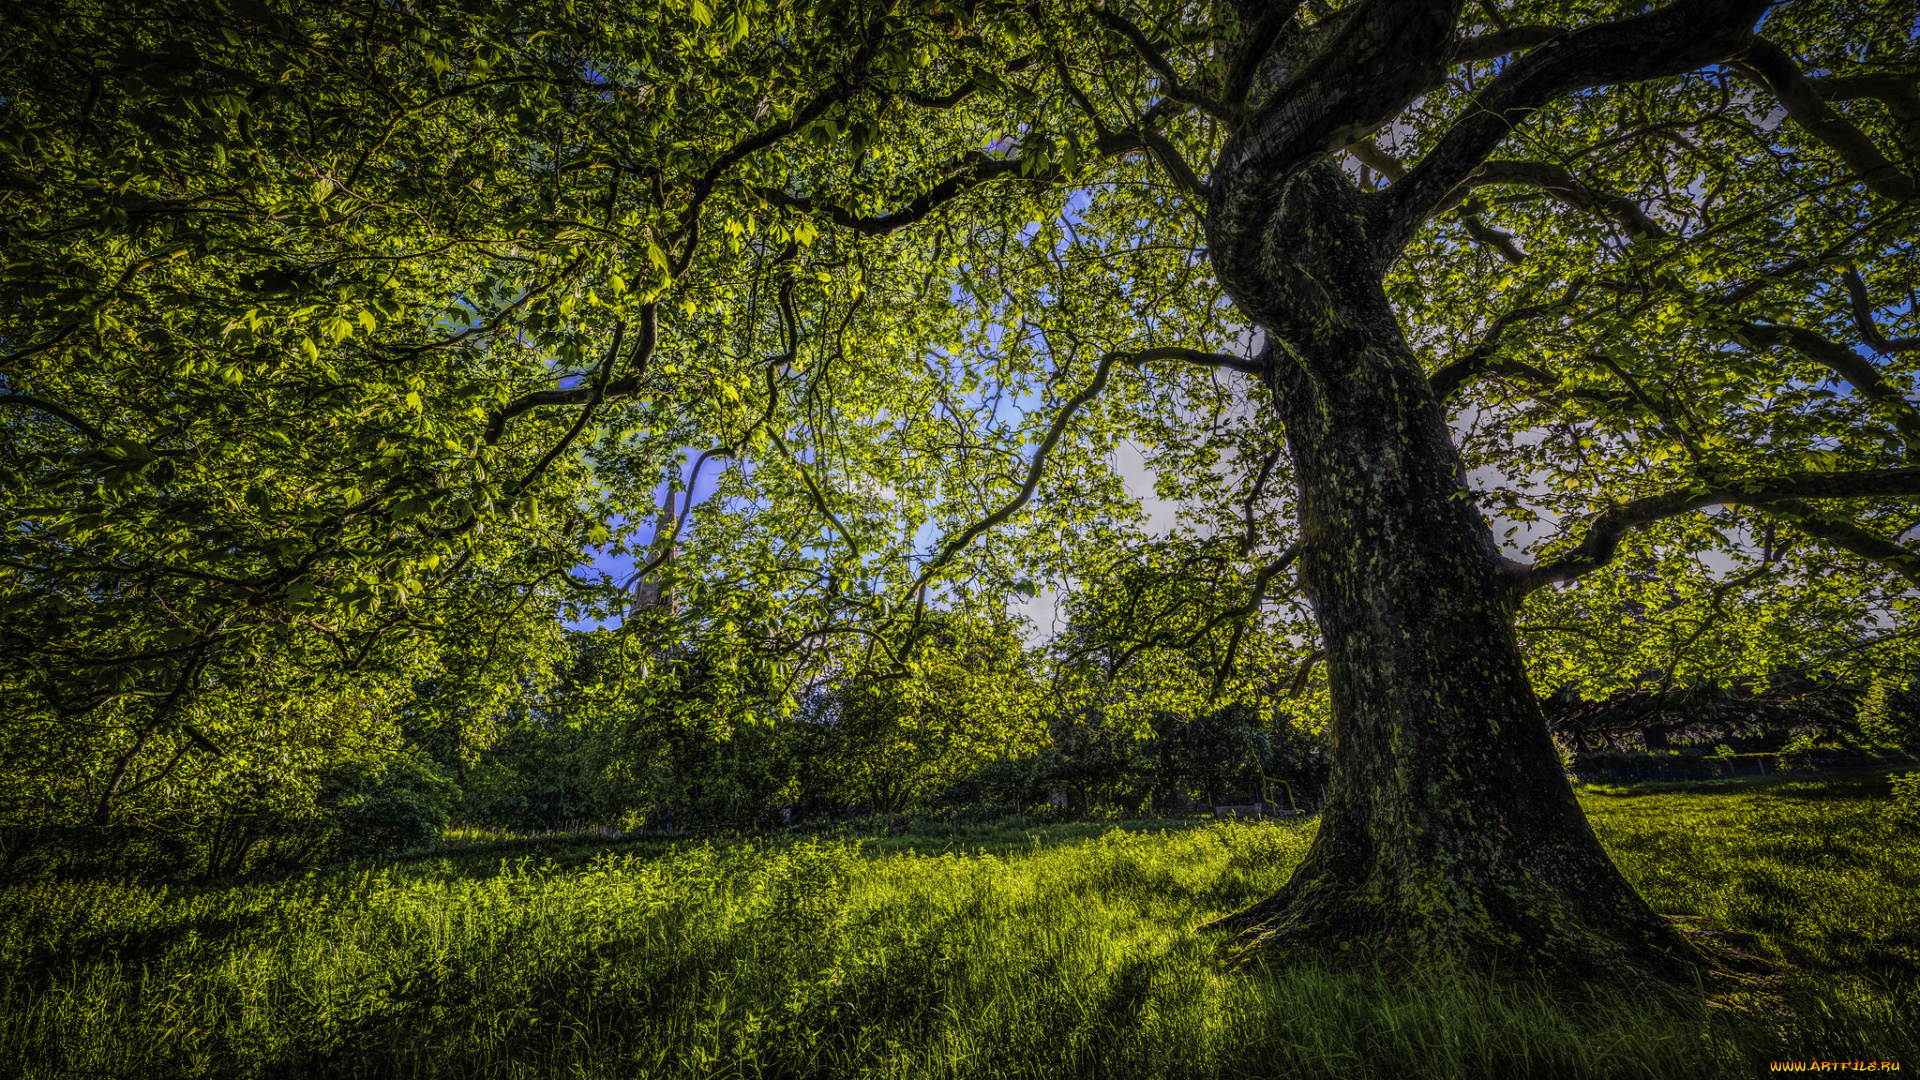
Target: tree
{"points": [[1676, 346], [289, 299], [969, 697], [1369, 280]]}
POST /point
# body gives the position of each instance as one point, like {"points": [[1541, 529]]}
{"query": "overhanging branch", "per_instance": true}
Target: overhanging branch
{"points": [[1559, 183], [1847, 364], [1602, 541], [57, 412], [1500, 43], [1769, 65], [1862, 306], [1101, 373], [1671, 40], [1170, 85]]}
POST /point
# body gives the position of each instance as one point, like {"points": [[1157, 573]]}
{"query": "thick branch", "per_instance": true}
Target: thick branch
{"points": [[1381, 57], [1496, 45], [1451, 377], [977, 167], [1602, 541], [626, 386], [1175, 165], [841, 90], [57, 412], [1899, 93], [972, 170], [1774, 69], [1253, 47], [1254, 493], [1669, 41], [1850, 537], [1845, 363], [954, 97], [1370, 155], [1863, 317], [1499, 240], [599, 395]]}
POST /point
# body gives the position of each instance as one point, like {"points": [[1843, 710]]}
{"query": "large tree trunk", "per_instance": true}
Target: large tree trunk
{"points": [[1451, 833]]}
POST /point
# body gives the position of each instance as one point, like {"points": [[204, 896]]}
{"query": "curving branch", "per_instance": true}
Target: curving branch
{"points": [[1602, 540], [976, 167], [1862, 307], [813, 489], [1547, 384], [1101, 372], [586, 414], [1503, 42], [1850, 537], [1486, 235], [841, 90], [1240, 613], [1254, 495], [1448, 380], [57, 412], [686, 507], [1175, 165], [1769, 65], [1672, 40], [1559, 183], [1847, 364], [625, 386], [1368, 153], [1900, 93], [948, 100], [1170, 85], [1260, 38]]}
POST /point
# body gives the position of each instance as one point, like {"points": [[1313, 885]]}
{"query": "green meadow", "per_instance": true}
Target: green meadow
{"points": [[1065, 950]]}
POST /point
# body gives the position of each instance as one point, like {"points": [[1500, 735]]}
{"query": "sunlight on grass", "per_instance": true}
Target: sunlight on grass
{"points": [[1046, 953]]}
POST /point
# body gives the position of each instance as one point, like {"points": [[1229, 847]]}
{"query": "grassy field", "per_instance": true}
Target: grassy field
{"points": [[1064, 951]]}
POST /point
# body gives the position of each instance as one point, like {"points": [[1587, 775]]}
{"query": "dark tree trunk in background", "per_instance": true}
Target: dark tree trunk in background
{"points": [[1451, 834]]}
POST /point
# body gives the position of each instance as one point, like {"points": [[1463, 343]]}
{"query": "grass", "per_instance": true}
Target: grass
{"points": [[1059, 951]]}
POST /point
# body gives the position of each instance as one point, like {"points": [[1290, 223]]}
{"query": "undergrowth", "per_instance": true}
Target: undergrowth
{"points": [[1062, 951]]}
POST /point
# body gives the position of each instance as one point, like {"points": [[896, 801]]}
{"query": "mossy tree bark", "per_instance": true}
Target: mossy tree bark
{"points": [[1451, 832]]}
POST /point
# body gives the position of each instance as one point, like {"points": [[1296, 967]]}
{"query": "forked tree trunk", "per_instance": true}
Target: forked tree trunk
{"points": [[1451, 833]]}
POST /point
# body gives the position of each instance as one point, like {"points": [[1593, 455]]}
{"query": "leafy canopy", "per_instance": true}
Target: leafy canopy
{"points": [[336, 337]]}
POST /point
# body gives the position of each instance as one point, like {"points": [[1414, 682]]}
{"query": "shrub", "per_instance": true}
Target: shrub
{"points": [[386, 807], [1905, 811]]}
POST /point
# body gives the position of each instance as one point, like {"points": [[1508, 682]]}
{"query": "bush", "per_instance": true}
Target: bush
{"points": [[1905, 811], [386, 807]]}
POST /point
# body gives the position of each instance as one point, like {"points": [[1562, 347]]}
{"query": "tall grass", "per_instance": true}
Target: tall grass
{"points": [[1041, 953]]}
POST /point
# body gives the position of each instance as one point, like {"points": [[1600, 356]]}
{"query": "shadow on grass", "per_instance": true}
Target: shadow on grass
{"points": [[132, 948], [1837, 785]]}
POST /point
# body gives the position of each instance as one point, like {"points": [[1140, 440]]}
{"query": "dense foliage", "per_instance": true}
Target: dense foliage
{"points": [[338, 338]]}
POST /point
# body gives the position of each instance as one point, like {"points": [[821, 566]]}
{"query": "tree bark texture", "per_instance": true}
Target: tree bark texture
{"points": [[1451, 834], [1451, 831]]}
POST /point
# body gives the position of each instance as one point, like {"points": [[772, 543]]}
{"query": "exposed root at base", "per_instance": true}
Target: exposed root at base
{"points": [[1733, 980], [1725, 977]]}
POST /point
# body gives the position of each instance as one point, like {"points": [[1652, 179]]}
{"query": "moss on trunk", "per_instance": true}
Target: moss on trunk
{"points": [[1451, 834]]}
